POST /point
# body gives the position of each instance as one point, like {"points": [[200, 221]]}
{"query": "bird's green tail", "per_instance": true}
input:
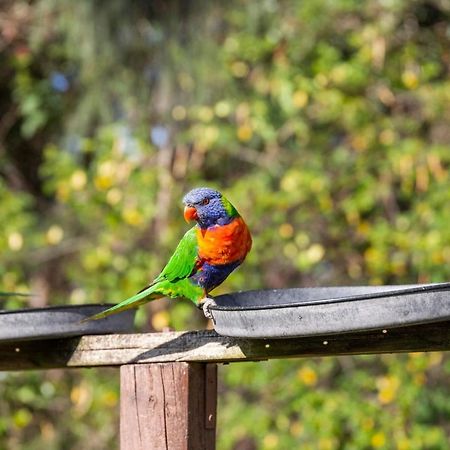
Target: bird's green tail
{"points": [[163, 288], [136, 300]]}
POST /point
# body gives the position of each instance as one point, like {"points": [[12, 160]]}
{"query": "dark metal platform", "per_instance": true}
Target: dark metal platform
{"points": [[300, 312], [61, 321]]}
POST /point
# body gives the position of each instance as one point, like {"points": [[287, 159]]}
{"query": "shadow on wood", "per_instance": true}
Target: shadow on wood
{"points": [[209, 346], [42, 354]]}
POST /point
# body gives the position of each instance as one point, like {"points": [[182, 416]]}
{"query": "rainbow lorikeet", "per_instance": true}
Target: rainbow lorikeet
{"points": [[205, 256]]}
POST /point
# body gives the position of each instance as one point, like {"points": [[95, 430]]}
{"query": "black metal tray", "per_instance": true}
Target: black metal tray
{"points": [[61, 321], [328, 310]]}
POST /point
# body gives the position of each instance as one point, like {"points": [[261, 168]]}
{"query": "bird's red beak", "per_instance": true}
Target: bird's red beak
{"points": [[190, 213]]}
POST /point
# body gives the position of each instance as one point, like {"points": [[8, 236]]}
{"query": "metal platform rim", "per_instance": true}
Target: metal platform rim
{"points": [[373, 294]]}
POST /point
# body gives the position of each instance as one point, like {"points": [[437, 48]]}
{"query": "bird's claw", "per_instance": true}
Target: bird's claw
{"points": [[205, 304]]}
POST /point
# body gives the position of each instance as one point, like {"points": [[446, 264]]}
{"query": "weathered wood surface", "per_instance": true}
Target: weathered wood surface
{"points": [[208, 346], [168, 406]]}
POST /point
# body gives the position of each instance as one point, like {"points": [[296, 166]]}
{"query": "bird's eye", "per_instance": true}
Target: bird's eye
{"points": [[205, 201]]}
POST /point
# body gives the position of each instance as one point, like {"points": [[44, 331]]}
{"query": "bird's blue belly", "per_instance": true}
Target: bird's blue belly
{"points": [[211, 276]]}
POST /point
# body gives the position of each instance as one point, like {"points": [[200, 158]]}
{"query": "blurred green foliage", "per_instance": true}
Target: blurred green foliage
{"points": [[325, 122]]}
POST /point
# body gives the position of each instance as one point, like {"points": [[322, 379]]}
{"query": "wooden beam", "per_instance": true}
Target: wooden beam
{"points": [[168, 406], [208, 346]]}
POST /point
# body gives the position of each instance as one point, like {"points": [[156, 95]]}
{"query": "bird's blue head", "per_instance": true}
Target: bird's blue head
{"points": [[208, 207]]}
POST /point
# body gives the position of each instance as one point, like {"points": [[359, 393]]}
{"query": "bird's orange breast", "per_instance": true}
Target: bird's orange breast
{"points": [[224, 244]]}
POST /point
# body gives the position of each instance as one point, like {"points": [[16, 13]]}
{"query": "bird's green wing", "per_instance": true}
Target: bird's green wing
{"points": [[182, 263], [170, 282]]}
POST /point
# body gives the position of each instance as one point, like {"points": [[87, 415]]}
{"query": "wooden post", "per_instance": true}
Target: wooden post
{"points": [[168, 406]]}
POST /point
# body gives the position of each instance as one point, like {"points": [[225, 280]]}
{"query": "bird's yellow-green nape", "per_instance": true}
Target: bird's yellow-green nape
{"points": [[229, 208]]}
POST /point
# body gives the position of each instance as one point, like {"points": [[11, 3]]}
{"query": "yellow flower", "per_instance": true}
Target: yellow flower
{"points": [[286, 230], [270, 441], [387, 137], [78, 180], [410, 79], [222, 109], [290, 181], [435, 358], [81, 397], [307, 376], [103, 182], [114, 196], [403, 444], [300, 99], [244, 133], [54, 235], [105, 177], [110, 399], [205, 113], [359, 142], [296, 428], [15, 241], [378, 440], [132, 216], [387, 389], [326, 444], [62, 192], [22, 417], [315, 253], [160, 320]]}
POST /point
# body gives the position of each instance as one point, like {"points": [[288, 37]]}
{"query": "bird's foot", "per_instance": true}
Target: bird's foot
{"points": [[205, 304]]}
